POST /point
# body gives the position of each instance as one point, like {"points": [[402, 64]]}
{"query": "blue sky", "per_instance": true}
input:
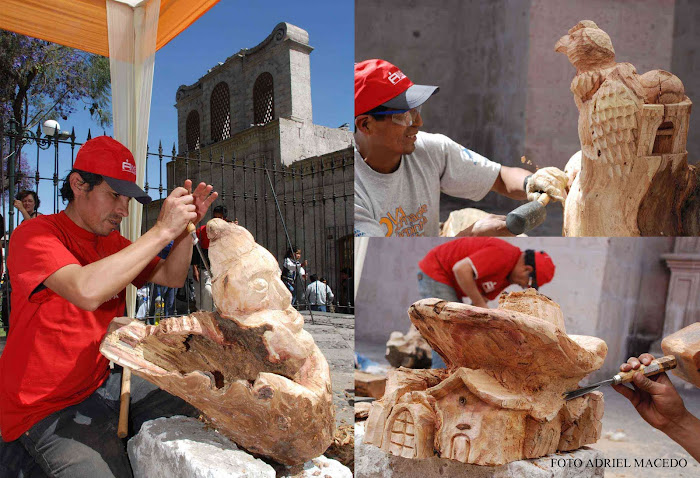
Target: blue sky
{"points": [[222, 31]]}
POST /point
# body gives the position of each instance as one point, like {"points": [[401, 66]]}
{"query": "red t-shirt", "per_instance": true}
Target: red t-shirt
{"points": [[203, 236], [493, 259], [52, 359]]}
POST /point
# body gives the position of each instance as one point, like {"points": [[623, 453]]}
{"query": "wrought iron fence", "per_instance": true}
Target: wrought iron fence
{"points": [[311, 206]]}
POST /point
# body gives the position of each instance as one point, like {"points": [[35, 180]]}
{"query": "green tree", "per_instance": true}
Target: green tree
{"points": [[38, 77], [41, 80]]}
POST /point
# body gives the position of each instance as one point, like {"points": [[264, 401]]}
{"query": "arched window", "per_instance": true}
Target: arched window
{"points": [[220, 110], [263, 99], [192, 131]]}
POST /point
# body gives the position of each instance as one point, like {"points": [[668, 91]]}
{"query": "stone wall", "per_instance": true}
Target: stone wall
{"points": [[612, 288]]}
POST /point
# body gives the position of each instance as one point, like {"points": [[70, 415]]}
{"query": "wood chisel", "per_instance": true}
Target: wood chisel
{"points": [[655, 367], [193, 232]]}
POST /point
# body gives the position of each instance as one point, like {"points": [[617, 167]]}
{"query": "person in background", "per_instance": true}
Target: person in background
{"points": [[318, 294], [292, 269], [479, 268], [27, 203], [346, 294], [658, 403]]}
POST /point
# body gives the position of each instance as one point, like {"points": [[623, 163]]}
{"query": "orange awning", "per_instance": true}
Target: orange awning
{"points": [[82, 24]]}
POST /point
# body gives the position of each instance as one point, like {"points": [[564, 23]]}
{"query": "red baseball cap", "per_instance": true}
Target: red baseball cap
{"points": [[114, 162], [379, 83], [544, 268]]}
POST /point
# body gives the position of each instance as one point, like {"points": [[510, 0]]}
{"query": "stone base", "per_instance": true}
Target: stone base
{"points": [[372, 462], [184, 447]]}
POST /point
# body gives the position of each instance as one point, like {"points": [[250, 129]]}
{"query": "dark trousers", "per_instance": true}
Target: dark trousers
{"points": [[81, 440]]}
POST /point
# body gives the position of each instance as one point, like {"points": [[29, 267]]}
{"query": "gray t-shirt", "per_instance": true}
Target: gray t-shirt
{"points": [[407, 201]]}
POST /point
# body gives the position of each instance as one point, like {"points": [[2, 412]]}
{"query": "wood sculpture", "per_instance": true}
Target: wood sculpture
{"points": [[685, 346], [500, 398], [251, 368], [634, 176], [408, 350]]}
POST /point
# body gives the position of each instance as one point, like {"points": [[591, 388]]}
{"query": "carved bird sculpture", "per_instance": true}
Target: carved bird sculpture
{"points": [[634, 178]]}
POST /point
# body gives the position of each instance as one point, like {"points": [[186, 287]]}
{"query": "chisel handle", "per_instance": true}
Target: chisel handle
{"points": [[656, 366], [124, 398], [192, 231]]}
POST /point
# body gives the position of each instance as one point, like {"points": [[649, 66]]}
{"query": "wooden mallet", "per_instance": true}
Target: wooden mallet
{"points": [[528, 216]]}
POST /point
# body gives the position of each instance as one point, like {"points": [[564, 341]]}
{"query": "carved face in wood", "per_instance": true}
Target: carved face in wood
{"points": [[459, 415], [246, 275]]}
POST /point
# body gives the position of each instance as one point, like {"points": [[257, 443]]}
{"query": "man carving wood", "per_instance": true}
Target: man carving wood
{"points": [[58, 400]]}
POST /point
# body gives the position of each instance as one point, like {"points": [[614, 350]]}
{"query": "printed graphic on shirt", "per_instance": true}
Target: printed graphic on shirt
{"points": [[469, 155], [405, 225], [489, 286]]}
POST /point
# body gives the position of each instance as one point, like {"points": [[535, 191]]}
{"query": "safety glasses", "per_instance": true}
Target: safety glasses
{"points": [[402, 117]]}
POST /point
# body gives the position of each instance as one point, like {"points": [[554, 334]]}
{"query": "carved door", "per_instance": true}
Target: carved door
{"points": [[402, 435]]}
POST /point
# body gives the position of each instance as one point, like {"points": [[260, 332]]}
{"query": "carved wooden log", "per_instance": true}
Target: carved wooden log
{"points": [[369, 385], [250, 368], [634, 176], [501, 398], [685, 346], [408, 350]]}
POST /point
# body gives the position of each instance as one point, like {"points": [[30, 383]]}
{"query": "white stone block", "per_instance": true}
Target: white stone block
{"points": [[372, 462], [181, 447]]}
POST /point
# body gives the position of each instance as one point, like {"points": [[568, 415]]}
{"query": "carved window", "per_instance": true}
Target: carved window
{"points": [[192, 131], [220, 110], [263, 99], [402, 434]]}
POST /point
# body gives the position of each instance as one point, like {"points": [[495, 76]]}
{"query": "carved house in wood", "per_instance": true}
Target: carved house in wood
{"points": [[500, 399]]}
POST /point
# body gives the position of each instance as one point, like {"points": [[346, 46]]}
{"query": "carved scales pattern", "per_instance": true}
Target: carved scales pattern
{"points": [[614, 125]]}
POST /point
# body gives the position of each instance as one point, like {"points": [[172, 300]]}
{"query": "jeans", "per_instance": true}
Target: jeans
{"points": [[319, 308], [168, 296], [428, 288], [81, 440]]}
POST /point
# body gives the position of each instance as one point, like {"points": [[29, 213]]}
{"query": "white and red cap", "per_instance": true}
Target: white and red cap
{"points": [[379, 83], [114, 162]]}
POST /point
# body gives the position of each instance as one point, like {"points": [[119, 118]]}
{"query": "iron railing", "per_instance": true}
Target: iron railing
{"points": [[314, 197]]}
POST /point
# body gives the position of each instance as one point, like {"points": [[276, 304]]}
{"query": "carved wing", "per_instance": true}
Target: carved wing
{"points": [[614, 124]]}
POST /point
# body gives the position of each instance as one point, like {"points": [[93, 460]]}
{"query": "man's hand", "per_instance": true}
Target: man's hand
{"points": [[551, 181], [203, 198], [491, 225], [181, 207], [655, 398]]}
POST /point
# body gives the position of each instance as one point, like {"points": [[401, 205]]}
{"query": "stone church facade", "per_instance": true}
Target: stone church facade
{"points": [[246, 127]]}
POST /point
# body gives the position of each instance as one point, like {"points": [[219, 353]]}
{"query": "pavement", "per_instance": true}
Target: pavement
{"points": [[627, 440], [335, 336]]}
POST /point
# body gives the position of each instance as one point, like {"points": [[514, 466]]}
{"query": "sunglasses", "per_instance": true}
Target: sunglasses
{"points": [[402, 117]]}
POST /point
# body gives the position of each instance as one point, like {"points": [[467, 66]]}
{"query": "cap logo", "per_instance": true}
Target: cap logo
{"points": [[127, 166], [396, 76]]}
